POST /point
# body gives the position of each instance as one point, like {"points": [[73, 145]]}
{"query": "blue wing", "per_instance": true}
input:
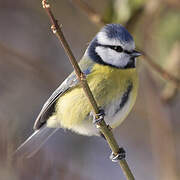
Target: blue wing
{"points": [[42, 132], [49, 105]]}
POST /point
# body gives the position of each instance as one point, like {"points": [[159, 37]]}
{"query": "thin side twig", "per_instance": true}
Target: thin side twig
{"points": [[101, 125], [172, 65], [162, 72], [91, 13], [27, 63]]}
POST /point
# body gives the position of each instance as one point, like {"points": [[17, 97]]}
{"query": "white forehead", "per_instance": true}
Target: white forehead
{"points": [[103, 39]]}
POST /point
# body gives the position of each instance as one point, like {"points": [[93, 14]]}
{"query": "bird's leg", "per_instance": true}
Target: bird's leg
{"points": [[119, 156], [96, 120], [100, 115], [121, 153]]}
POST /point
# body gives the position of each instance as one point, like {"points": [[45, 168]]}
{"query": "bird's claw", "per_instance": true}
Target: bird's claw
{"points": [[100, 115], [119, 156]]}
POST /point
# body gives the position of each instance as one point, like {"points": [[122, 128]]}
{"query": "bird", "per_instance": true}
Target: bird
{"points": [[109, 64]]}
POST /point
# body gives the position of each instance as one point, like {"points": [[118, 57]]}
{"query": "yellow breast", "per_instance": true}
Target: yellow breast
{"points": [[106, 84]]}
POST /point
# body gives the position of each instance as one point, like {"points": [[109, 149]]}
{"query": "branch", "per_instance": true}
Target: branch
{"points": [[134, 19], [101, 125], [163, 73], [28, 64], [172, 65], [91, 13]]}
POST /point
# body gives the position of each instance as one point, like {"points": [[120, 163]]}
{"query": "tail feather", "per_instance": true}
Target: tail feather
{"points": [[33, 144]]}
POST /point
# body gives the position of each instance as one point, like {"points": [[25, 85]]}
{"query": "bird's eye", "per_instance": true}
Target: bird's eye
{"points": [[117, 48]]}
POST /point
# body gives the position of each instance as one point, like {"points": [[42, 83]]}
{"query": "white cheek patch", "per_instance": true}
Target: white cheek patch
{"points": [[103, 39], [112, 57]]}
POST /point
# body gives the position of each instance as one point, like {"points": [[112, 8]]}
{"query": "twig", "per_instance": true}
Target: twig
{"points": [[27, 63], [173, 65], [91, 13], [101, 125], [163, 73], [134, 19]]}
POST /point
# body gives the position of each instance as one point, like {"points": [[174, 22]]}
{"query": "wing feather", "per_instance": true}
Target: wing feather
{"points": [[33, 144], [49, 105], [42, 132]]}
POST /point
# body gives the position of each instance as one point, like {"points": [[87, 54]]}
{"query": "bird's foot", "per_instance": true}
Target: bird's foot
{"points": [[100, 115], [119, 156]]}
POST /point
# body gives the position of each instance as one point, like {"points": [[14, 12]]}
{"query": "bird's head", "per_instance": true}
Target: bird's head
{"points": [[113, 46]]}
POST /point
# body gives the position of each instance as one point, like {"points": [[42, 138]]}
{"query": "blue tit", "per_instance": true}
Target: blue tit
{"points": [[109, 64]]}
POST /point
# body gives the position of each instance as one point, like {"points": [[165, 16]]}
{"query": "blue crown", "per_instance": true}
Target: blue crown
{"points": [[117, 31]]}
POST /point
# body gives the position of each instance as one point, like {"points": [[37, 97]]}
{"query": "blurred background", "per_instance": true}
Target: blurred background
{"points": [[33, 64]]}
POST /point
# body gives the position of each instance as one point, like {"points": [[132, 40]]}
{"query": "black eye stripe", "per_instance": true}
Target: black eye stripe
{"points": [[127, 52], [115, 48]]}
